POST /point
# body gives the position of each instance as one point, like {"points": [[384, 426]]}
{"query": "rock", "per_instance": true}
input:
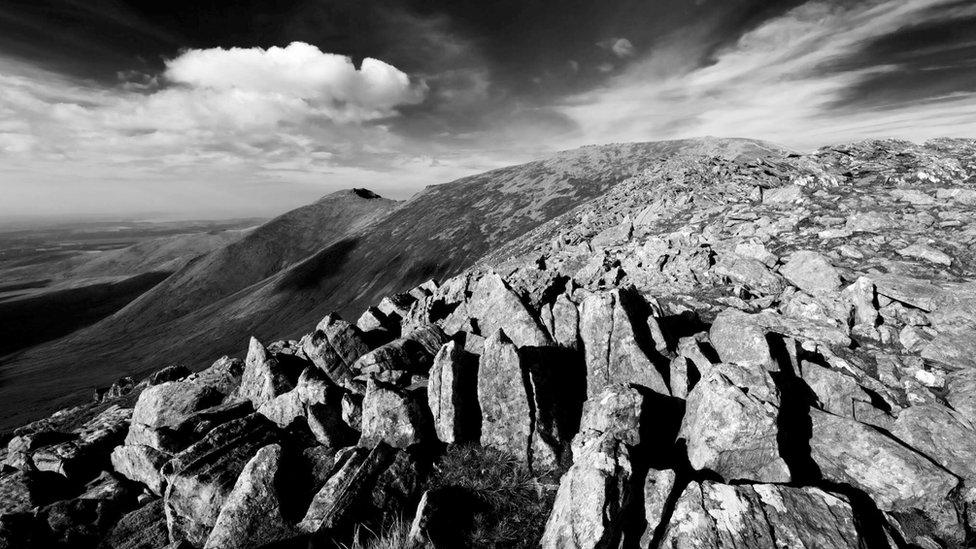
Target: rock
{"points": [[497, 307], [615, 235], [264, 377], [842, 395], [224, 375], [506, 416], [565, 323], [943, 435], [84, 520], [861, 295], [928, 253], [175, 372], [346, 490], [164, 407], [961, 393], [144, 528], [618, 342], [658, 486], [589, 507], [141, 464], [394, 416], [452, 394], [334, 347], [730, 425], [738, 339], [896, 478], [783, 195], [811, 272], [758, 516], [87, 450], [430, 337], [374, 319], [912, 196], [751, 273], [200, 478], [251, 516], [284, 409], [403, 354]]}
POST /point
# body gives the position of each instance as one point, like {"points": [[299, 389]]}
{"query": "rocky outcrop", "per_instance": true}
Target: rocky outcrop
{"points": [[757, 516], [718, 352]]}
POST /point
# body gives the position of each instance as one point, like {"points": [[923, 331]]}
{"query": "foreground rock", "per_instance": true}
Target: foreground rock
{"points": [[760, 516]]}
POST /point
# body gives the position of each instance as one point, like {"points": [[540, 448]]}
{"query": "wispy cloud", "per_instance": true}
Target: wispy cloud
{"points": [[784, 80]]}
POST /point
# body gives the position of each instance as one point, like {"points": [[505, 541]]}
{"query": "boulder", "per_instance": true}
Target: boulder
{"points": [[759, 516], [200, 478], [497, 307], [730, 425], [738, 339], [165, 407], [506, 415], [565, 323], [658, 486], [403, 355], [284, 409], [251, 516], [452, 394], [144, 528], [897, 478], [589, 508], [264, 377], [395, 416], [749, 272], [86, 452], [224, 375], [961, 393], [141, 464], [811, 272], [614, 329], [334, 346], [347, 490]]}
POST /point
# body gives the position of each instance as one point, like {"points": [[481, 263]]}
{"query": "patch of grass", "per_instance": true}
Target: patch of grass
{"points": [[509, 506], [396, 535]]}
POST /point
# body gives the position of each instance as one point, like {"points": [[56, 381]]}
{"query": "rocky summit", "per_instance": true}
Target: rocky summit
{"points": [[751, 350]]}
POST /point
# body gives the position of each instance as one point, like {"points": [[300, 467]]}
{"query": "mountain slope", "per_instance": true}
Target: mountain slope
{"points": [[208, 308]]}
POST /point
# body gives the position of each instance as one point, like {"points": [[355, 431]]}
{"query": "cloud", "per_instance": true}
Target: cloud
{"points": [[785, 80], [621, 47], [283, 78]]}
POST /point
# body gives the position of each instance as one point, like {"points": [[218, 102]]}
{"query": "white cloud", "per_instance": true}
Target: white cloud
{"points": [[621, 47], [773, 83]]}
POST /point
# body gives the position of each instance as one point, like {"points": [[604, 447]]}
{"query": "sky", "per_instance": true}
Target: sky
{"points": [[220, 108]]}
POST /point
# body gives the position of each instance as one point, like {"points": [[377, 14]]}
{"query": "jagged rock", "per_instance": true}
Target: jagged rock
{"points": [[165, 407], [497, 307], [730, 425], [760, 516], [861, 294], [615, 235], [961, 393], [141, 464], [176, 372], [373, 319], [334, 346], [842, 395], [264, 377], [284, 409], [811, 272], [589, 506], [144, 528], [690, 364], [403, 355], [452, 394], [429, 336], [251, 516], [506, 416], [224, 375], [658, 486], [395, 488], [781, 195], [565, 322], [394, 416], [346, 489], [200, 478], [397, 306], [87, 450], [738, 339], [83, 521], [616, 339], [895, 477], [751, 273]]}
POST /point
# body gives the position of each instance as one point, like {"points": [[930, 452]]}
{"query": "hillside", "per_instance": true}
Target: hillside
{"points": [[720, 351], [345, 264]]}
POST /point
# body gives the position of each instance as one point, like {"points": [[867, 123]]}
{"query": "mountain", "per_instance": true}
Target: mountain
{"points": [[341, 253], [750, 350]]}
